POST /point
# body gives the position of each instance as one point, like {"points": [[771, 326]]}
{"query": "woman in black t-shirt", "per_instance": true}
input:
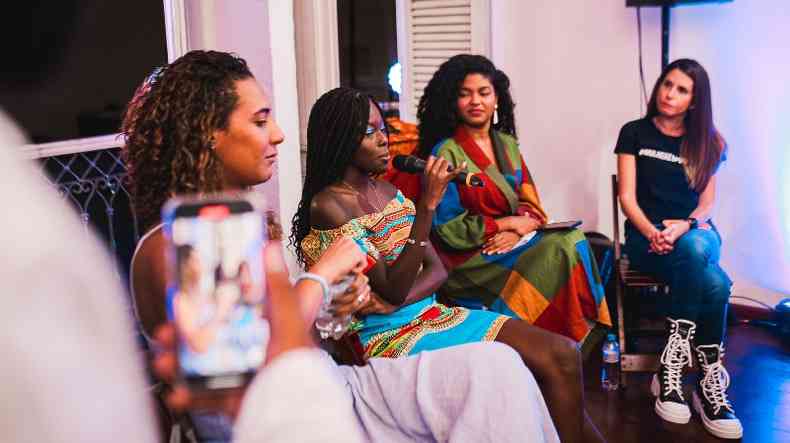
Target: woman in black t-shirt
{"points": [[666, 164]]}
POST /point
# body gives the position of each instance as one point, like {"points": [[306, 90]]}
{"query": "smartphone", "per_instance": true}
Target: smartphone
{"points": [[555, 226], [216, 288]]}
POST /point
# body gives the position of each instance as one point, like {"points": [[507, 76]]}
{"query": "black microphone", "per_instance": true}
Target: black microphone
{"points": [[415, 165]]}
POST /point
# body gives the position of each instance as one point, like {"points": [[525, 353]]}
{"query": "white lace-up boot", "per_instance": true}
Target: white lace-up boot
{"points": [[710, 397], [666, 384]]}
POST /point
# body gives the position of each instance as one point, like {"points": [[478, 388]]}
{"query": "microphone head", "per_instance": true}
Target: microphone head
{"points": [[408, 163]]}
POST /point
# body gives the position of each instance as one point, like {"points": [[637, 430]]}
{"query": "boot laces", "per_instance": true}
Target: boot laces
{"points": [[714, 385], [677, 354]]}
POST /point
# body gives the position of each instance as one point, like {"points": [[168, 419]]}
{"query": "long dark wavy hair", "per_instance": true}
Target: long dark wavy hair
{"points": [[168, 129], [335, 129], [702, 145], [438, 108]]}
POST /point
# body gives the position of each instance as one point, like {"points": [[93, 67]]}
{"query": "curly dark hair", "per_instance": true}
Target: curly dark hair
{"points": [[168, 128], [438, 109], [335, 129]]}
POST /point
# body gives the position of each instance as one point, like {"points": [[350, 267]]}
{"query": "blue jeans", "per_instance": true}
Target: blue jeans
{"points": [[212, 427], [700, 289]]}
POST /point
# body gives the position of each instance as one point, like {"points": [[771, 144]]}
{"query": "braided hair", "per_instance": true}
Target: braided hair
{"points": [[335, 129], [168, 128], [438, 109]]}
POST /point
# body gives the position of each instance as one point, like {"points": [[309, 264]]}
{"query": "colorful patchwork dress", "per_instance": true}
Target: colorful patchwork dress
{"points": [[551, 281], [422, 326]]}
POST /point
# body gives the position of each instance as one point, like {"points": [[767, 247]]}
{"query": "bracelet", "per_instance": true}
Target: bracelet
{"points": [[321, 281], [412, 241]]}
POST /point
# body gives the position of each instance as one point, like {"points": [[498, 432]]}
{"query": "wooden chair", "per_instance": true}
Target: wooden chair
{"points": [[626, 281]]}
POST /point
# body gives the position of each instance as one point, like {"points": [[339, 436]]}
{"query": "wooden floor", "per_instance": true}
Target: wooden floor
{"points": [[759, 365]]}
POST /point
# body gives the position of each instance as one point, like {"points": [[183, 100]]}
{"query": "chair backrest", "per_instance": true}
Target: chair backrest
{"points": [[615, 218]]}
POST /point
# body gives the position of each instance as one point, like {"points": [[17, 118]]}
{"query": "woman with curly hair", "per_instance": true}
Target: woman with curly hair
{"points": [[487, 236], [197, 126], [183, 137], [347, 147]]}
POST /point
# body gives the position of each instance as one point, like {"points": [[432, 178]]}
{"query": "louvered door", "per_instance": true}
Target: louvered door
{"points": [[430, 32]]}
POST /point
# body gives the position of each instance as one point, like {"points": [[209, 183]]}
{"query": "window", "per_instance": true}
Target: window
{"points": [[80, 104], [368, 46], [430, 32]]}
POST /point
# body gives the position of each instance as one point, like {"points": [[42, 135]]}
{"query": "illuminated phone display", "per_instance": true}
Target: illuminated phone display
{"points": [[216, 289]]}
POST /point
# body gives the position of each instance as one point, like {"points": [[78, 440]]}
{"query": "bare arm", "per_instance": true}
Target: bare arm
{"points": [[394, 282], [626, 191], [149, 277], [430, 278], [707, 200], [342, 258], [400, 281], [198, 337]]}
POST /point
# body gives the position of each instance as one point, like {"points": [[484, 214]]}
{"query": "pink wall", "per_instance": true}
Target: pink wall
{"points": [[573, 67], [745, 46], [574, 75], [240, 26]]}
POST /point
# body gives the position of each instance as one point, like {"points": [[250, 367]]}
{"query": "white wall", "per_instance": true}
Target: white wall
{"points": [[261, 32], [573, 66], [281, 33], [575, 79], [745, 46]]}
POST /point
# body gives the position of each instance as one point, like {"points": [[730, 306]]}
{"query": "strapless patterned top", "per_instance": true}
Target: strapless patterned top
{"points": [[381, 235]]}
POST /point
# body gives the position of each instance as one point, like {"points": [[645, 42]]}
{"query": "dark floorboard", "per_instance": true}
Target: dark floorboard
{"points": [[759, 366]]}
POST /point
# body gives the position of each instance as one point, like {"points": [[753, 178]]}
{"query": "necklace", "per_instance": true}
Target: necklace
{"points": [[379, 199]]}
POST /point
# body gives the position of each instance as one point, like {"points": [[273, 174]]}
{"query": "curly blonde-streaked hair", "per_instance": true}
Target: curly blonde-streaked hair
{"points": [[169, 126]]}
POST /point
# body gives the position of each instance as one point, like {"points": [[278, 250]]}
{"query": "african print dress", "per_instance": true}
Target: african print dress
{"points": [[422, 326], [551, 281]]}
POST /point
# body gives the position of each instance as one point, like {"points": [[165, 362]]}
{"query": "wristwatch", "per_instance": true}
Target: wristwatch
{"points": [[693, 223]]}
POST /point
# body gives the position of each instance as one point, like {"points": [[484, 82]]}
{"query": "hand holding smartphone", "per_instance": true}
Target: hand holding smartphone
{"points": [[289, 331], [216, 289]]}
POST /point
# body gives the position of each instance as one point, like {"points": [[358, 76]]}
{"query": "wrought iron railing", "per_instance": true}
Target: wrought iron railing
{"points": [[93, 182]]}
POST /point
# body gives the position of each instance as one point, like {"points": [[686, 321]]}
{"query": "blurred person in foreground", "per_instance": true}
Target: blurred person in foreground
{"points": [[70, 370]]}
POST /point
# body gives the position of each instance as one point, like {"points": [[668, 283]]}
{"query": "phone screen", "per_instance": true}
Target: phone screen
{"points": [[216, 289]]}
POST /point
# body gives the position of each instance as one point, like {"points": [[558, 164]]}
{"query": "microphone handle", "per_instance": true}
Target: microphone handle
{"points": [[464, 178], [468, 179]]}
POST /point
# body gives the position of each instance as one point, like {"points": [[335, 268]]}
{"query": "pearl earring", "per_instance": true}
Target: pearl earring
{"points": [[496, 114]]}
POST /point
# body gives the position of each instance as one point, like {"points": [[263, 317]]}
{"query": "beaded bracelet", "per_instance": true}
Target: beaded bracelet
{"points": [[321, 281], [412, 241]]}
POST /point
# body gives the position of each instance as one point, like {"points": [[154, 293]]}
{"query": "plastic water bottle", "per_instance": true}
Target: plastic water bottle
{"points": [[610, 367], [327, 324]]}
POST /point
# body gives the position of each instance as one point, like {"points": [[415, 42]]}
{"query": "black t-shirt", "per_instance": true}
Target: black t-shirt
{"points": [[662, 187]]}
